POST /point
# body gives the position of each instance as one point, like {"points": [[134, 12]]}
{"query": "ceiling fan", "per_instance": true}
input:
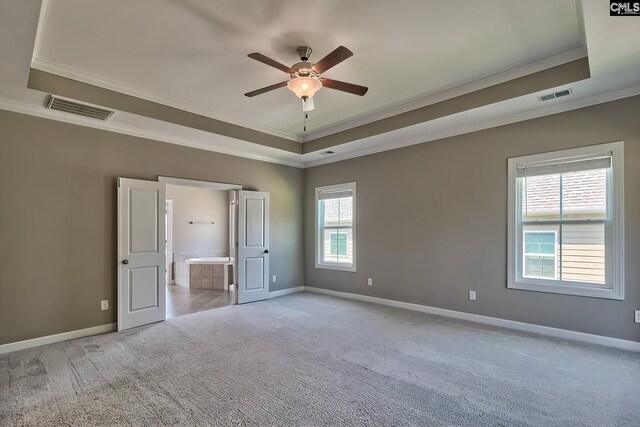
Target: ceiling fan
{"points": [[305, 77]]}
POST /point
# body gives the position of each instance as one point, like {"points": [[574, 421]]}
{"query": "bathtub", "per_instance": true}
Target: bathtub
{"points": [[205, 273], [211, 260]]}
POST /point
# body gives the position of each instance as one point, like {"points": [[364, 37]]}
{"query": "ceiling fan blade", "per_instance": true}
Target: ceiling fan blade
{"points": [[270, 62], [266, 89], [344, 87], [334, 58]]}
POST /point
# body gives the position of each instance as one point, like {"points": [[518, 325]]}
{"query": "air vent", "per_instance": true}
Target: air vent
{"points": [[555, 95], [68, 106]]}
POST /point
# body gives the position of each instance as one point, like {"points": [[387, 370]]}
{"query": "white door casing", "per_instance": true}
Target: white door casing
{"points": [[253, 246], [169, 244], [141, 253]]}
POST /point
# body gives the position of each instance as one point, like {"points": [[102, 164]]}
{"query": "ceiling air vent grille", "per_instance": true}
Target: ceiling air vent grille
{"points": [[68, 106], [555, 95]]}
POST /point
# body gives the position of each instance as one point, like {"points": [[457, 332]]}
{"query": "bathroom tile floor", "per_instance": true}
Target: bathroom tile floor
{"points": [[186, 300]]}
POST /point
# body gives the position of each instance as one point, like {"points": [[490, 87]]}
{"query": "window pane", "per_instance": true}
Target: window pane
{"points": [[540, 197], [531, 248], [331, 209], [539, 242], [584, 194], [547, 237], [583, 253], [543, 267], [346, 211], [338, 212], [547, 248], [338, 246], [329, 252], [342, 244], [540, 252]]}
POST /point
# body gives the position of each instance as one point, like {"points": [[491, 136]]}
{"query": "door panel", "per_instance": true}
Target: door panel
{"points": [[143, 221], [141, 256], [254, 273], [255, 222], [253, 246], [143, 289]]}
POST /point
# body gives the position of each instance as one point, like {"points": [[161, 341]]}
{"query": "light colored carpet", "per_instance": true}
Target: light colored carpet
{"points": [[308, 359]]}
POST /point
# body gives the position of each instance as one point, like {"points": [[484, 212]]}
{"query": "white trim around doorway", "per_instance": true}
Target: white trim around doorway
{"points": [[197, 183]]}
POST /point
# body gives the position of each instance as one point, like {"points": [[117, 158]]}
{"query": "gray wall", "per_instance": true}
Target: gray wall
{"points": [[58, 217], [199, 204], [432, 221]]}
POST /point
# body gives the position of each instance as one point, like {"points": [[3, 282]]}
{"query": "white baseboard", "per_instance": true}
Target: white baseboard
{"points": [[64, 336], [287, 291], [50, 339], [494, 321]]}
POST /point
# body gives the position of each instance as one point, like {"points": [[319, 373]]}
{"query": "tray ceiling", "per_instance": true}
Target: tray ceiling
{"points": [[191, 54], [176, 70]]}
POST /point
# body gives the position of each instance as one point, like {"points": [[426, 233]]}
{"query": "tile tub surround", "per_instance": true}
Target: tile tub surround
{"points": [[181, 270], [207, 276], [194, 274]]}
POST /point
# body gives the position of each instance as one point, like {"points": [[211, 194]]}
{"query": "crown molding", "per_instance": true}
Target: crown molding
{"points": [[580, 18], [42, 18], [94, 80], [444, 94], [432, 98], [39, 111], [487, 124]]}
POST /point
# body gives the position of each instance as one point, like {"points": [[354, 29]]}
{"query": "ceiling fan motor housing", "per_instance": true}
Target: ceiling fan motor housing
{"points": [[303, 69], [304, 52]]}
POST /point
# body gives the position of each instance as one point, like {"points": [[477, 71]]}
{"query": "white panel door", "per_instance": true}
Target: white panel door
{"points": [[141, 253], [253, 246]]}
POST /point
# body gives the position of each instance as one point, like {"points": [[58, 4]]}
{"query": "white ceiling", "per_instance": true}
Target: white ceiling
{"points": [[191, 54]]}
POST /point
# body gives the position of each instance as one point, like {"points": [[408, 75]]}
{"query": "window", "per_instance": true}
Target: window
{"points": [[335, 223], [540, 254], [566, 222], [339, 244]]}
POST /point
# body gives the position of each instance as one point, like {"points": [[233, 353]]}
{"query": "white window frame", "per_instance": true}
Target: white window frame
{"points": [[350, 186], [614, 228]]}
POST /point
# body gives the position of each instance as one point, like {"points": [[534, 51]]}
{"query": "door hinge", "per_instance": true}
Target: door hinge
{"points": [[118, 182]]}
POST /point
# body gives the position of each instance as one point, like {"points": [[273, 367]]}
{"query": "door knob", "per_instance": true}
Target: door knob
{"points": [[125, 261], [266, 251]]}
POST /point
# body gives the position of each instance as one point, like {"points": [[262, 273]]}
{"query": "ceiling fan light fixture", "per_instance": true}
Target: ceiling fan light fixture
{"points": [[304, 86]]}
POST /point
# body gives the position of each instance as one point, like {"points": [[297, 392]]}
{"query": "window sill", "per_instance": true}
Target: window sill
{"points": [[581, 291], [338, 267]]}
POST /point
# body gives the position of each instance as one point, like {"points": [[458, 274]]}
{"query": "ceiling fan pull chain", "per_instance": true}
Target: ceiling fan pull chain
{"points": [[306, 116]]}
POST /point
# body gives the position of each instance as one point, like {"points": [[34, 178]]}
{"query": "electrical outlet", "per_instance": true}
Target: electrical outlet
{"points": [[370, 281], [472, 295], [273, 279], [637, 316], [104, 304]]}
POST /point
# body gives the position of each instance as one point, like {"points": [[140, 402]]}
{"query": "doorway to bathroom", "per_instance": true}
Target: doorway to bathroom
{"points": [[143, 246], [200, 247]]}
